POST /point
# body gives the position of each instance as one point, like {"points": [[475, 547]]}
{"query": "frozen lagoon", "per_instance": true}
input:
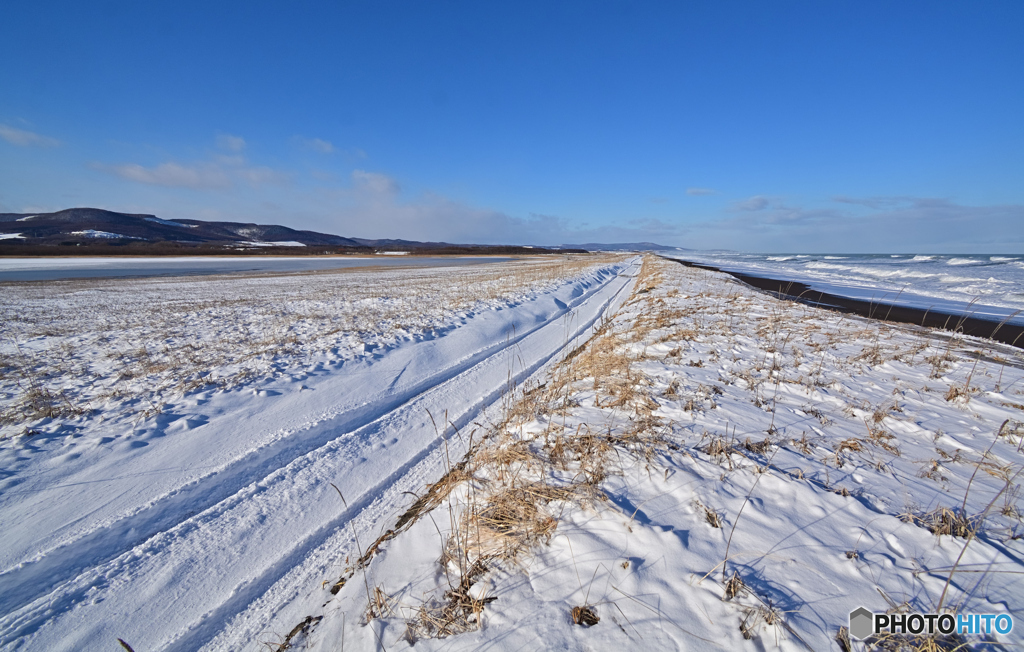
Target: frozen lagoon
{"points": [[56, 268]]}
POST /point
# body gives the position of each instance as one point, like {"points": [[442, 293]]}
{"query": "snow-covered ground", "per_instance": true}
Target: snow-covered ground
{"points": [[715, 469], [474, 458], [172, 446]]}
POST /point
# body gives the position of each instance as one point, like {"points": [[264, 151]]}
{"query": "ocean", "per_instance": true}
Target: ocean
{"points": [[987, 286]]}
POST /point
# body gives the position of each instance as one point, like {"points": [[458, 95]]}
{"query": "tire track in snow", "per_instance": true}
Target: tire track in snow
{"points": [[400, 481], [32, 579], [137, 546]]}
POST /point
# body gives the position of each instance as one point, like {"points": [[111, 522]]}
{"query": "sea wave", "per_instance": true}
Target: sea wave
{"points": [[947, 278], [972, 290], [998, 279], [876, 272], [820, 265], [964, 261]]}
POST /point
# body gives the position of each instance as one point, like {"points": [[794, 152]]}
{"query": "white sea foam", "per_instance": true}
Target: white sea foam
{"points": [[943, 278], [817, 265], [949, 278], [963, 261], [871, 272]]}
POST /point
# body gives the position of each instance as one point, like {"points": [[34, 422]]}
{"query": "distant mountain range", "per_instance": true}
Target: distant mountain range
{"points": [[623, 246], [101, 231]]}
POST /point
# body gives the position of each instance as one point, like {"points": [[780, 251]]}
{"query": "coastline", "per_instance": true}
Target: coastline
{"points": [[600, 504], [709, 467], [1000, 331]]}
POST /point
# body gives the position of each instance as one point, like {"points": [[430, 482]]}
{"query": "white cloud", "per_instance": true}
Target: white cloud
{"points": [[230, 143], [371, 207], [261, 176], [701, 191], [315, 144], [875, 224], [219, 173], [374, 183], [172, 175], [874, 202], [755, 203], [23, 138]]}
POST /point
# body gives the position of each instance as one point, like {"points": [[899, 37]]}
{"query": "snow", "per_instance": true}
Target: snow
{"points": [[178, 470], [282, 243], [10, 236], [93, 233], [275, 431], [170, 222]]}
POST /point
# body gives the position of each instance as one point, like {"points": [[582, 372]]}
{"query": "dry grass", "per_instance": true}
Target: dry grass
{"points": [[507, 495], [68, 347], [945, 521], [733, 586], [542, 460], [585, 616]]}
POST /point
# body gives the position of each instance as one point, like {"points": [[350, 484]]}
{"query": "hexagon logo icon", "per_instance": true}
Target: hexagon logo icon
{"points": [[861, 623]]}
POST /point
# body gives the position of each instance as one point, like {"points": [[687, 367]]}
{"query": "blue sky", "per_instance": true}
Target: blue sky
{"points": [[762, 126]]}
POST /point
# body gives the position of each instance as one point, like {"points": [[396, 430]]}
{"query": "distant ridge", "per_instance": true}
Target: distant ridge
{"points": [[92, 224], [623, 246], [78, 231]]}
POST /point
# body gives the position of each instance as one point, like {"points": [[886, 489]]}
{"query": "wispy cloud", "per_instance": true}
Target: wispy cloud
{"points": [[171, 175], [219, 173], [872, 224], [755, 203], [315, 144], [873, 202], [375, 183], [230, 143], [372, 206], [23, 138], [261, 176], [696, 192]]}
